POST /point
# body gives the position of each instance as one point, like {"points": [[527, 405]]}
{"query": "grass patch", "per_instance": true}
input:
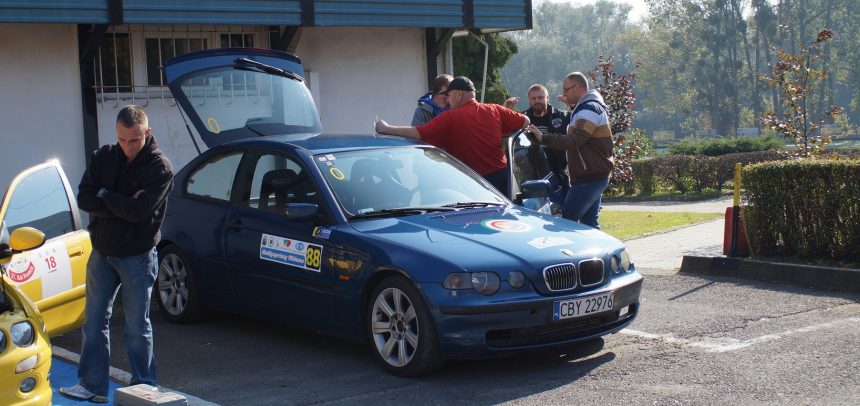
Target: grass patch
{"points": [[626, 225]]}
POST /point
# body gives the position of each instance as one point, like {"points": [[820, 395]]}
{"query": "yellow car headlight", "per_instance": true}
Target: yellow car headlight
{"points": [[22, 333]]}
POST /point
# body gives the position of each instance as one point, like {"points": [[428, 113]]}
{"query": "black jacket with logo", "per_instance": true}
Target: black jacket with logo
{"points": [[121, 224], [555, 121]]}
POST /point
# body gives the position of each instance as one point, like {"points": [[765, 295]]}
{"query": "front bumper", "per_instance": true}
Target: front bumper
{"points": [[483, 326]]}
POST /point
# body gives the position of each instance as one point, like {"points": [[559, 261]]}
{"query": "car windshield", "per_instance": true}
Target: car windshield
{"points": [[243, 101], [413, 179]]}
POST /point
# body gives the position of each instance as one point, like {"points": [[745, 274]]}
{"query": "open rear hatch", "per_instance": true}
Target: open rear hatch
{"points": [[230, 94]]}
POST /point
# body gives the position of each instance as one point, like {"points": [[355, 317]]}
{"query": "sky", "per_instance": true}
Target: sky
{"points": [[639, 6]]}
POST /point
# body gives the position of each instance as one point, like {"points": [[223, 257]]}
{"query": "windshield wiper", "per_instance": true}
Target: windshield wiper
{"points": [[247, 64], [466, 205], [400, 211]]}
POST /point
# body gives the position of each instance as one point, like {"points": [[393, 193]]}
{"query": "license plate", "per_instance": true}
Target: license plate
{"points": [[568, 309]]}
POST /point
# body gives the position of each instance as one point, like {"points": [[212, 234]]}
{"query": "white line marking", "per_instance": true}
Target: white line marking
{"points": [[723, 344]]}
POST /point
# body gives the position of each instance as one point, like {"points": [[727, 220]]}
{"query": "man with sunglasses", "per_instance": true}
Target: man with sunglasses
{"points": [[588, 144], [471, 131]]}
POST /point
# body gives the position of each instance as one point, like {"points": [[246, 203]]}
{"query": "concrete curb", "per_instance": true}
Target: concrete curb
{"points": [[123, 377], [818, 277]]}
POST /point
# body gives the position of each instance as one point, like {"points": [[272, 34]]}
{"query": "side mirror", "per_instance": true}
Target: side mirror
{"points": [[301, 211], [535, 188], [26, 238]]}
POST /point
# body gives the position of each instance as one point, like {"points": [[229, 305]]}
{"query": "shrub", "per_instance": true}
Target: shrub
{"points": [[643, 176], [807, 209], [683, 173], [725, 167], [723, 146], [675, 170]]}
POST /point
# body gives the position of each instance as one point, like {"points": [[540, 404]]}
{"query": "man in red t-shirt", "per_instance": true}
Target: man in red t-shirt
{"points": [[471, 131]]}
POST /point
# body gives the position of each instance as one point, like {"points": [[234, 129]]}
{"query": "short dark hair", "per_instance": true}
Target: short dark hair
{"points": [[439, 82], [578, 78], [131, 116]]}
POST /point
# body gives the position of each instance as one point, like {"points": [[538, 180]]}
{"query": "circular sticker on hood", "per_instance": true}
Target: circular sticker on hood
{"points": [[511, 226]]}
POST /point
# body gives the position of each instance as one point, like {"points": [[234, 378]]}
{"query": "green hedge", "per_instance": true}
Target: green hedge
{"points": [[722, 146], [806, 209], [688, 173]]}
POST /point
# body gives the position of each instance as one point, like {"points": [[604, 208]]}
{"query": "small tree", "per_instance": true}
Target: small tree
{"points": [[617, 92], [795, 77]]}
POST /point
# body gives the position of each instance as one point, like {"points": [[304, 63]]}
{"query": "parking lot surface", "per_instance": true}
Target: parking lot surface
{"points": [[697, 341]]}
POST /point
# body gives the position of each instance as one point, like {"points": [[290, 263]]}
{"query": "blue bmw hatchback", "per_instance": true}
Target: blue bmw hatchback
{"points": [[366, 237]]}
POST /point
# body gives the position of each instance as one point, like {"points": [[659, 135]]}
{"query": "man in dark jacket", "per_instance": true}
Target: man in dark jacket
{"points": [[588, 144], [549, 120], [124, 189]]}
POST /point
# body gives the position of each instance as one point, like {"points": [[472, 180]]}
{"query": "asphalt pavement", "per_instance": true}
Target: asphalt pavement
{"points": [[659, 254]]}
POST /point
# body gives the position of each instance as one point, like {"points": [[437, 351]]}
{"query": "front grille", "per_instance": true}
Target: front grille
{"points": [[560, 277], [590, 272], [558, 332]]}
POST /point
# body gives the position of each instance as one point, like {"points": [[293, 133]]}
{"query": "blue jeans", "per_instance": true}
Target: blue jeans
{"points": [[582, 203], [105, 274]]}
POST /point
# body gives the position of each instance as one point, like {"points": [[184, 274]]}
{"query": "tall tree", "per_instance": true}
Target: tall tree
{"points": [[566, 39], [469, 61]]}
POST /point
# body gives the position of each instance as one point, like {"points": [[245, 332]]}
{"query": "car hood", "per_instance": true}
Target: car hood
{"points": [[489, 238]]}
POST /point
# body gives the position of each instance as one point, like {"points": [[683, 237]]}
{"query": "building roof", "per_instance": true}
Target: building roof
{"points": [[485, 15]]}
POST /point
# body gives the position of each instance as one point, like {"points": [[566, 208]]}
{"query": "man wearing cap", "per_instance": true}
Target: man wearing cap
{"points": [[471, 131], [434, 102]]}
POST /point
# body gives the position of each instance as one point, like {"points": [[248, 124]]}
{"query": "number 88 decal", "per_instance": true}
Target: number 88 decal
{"points": [[312, 259]]}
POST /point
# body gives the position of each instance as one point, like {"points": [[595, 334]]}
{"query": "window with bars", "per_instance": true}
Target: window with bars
{"points": [[237, 40], [159, 50], [113, 65], [131, 59]]}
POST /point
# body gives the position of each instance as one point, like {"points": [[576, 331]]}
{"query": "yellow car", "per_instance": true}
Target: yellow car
{"points": [[44, 250]]}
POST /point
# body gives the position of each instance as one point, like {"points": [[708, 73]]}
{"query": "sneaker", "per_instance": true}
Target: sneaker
{"points": [[82, 393]]}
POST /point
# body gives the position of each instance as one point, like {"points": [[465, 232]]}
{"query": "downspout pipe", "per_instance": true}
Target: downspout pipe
{"points": [[486, 62]]}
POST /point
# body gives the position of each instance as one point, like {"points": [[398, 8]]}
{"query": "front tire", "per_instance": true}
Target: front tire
{"points": [[401, 330], [177, 295]]}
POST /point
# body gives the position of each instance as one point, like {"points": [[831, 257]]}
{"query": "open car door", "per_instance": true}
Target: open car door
{"points": [[52, 275], [528, 162]]}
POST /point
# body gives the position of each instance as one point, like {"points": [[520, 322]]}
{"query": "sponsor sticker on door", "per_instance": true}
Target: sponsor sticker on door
{"points": [[291, 252], [50, 264]]}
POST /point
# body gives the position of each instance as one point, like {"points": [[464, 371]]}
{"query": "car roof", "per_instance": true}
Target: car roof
{"points": [[325, 143]]}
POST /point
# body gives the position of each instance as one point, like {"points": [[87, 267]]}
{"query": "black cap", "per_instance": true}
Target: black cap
{"points": [[460, 83]]}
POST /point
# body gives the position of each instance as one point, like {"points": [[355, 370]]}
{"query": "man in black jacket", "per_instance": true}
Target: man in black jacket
{"points": [[548, 120], [124, 189]]}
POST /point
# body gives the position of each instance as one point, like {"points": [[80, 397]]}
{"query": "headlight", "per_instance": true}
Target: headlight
{"points": [[485, 283], [22, 333], [516, 279], [615, 265], [626, 263]]}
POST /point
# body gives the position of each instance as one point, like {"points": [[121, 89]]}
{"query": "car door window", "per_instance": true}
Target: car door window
{"points": [[277, 181], [40, 201], [214, 179]]}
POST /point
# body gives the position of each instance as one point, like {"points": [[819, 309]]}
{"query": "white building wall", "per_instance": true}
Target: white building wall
{"points": [[356, 75], [40, 99], [364, 73]]}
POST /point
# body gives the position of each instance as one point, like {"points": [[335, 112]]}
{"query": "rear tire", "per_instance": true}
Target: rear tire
{"points": [[176, 290], [401, 330]]}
